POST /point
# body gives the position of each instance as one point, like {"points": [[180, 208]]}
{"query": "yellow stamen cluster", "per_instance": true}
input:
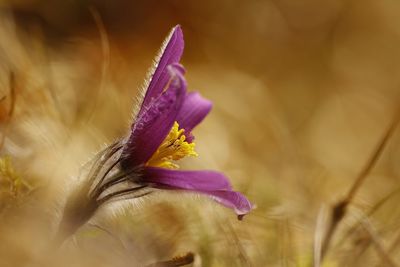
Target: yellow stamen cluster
{"points": [[174, 147]]}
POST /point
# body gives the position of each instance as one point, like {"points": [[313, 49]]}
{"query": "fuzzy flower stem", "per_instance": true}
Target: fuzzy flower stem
{"points": [[105, 156], [100, 188], [113, 180], [78, 210], [122, 193], [81, 205]]}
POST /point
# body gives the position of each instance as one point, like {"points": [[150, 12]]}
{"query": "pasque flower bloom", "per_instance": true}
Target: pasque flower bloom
{"points": [[161, 133]]}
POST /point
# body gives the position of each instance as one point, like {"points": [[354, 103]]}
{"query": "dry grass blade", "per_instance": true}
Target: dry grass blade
{"points": [[374, 208], [339, 209], [244, 258], [115, 237], [286, 248], [11, 109], [12, 94], [318, 237], [392, 248], [231, 235], [376, 241], [175, 262], [394, 244], [105, 48]]}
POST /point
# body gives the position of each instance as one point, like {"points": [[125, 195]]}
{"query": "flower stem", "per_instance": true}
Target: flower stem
{"points": [[78, 210]]}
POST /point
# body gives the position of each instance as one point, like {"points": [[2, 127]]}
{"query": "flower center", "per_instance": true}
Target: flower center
{"points": [[174, 147]]}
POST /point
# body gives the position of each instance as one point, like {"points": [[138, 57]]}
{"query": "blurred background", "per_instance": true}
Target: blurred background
{"points": [[303, 92]]}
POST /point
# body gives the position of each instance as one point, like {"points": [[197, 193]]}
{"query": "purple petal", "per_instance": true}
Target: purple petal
{"points": [[231, 199], [171, 52], [188, 180], [155, 122], [194, 109], [210, 183]]}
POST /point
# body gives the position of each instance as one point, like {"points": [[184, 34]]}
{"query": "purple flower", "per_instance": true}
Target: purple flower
{"points": [[161, 134], [162, 129]]}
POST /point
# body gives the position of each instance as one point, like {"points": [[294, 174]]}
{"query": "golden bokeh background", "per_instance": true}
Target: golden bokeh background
{"points": [[303, 93]]}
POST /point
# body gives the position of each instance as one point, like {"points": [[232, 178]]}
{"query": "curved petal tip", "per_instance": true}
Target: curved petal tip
{"points": [[234, 200]]}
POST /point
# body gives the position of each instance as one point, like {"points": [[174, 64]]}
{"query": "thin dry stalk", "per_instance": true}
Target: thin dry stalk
{"points": [[13, 97], [115, 237], [244, 258], [374, 208], [105, 49], [394, 244], [339, 209], [392, 248], [380, 249], [231, 234], [319, 234], [286, 242], [175, 262], [13, 94]]}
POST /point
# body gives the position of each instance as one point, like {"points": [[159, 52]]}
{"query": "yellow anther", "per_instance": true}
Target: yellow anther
{"points": [[174, 147]]}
